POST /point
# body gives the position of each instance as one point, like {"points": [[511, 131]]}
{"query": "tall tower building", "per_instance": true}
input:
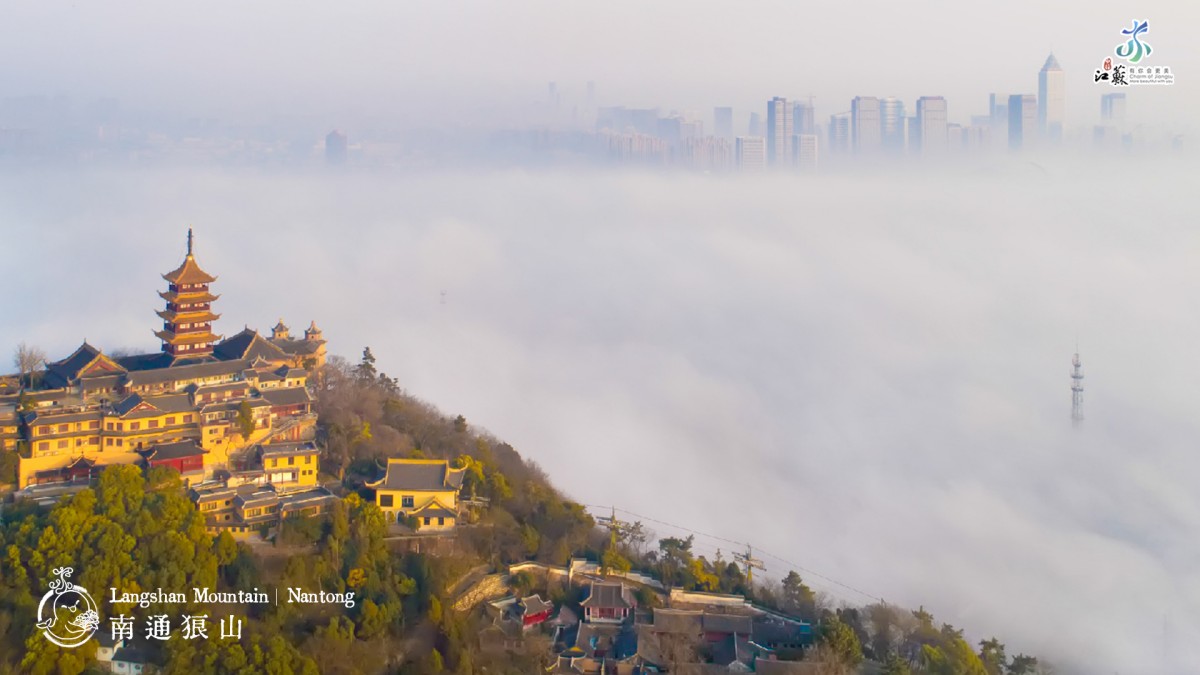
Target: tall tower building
{"points": [[804, 150], [803, 118], [1112, 108], [998, 118], [723, 122], [1076, 390], [1052, 82], [755, 128], [335, 147], [187, 320], [751, 153], [891, 125], [779, 131], [931, 125], [839, 132], [865, 127], [1022, 118]]}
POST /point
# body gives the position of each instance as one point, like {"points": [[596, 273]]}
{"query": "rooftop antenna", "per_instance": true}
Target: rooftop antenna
{"points": [[1076, 389], [751, 563]]}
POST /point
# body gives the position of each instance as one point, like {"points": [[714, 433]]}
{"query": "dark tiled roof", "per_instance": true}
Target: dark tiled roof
{"points": [[130, 655], [534, 604], [68, 369], [289, 396], [52, 416], [216, 388], [166, 403], [728, 623], [128, 403], [189, 371], [176, 450], [249, 345], [298, 347], [287, 449], [299, 500], [260, 497], [678, 622], [152, 361], [785, 632], [605, 595], [419, 475]]}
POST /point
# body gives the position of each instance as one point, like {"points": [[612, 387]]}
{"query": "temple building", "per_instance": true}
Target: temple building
{"points": [[187, 320], [426, 489], [203, 405]]}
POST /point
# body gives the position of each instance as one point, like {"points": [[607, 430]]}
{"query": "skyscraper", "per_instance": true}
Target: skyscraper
{"points": [[839, 132], [1022, 118], [723, 122], [1112, 108], [998, 112], [1051, 101], [803, 120], [755, 128], [335, 147], [804, 150], [864, 124], [931, 125], [779, 131], [891, 125], [751, 153]]}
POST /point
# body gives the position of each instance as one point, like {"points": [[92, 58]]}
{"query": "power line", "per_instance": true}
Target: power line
{"points": [[785, 561]]}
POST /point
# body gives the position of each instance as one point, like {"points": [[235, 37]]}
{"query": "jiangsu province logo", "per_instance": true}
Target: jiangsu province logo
{"points": [[1133, 50], [67, 614]]}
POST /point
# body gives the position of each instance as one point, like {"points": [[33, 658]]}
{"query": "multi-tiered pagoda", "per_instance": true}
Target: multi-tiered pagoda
{"points": [[187, 320]]}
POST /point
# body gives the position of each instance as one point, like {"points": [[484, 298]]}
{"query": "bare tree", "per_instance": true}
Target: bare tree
{"points": [[26, 359]]}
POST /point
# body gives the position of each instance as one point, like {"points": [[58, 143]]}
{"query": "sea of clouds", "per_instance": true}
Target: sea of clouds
{"points": [[865, 375]]}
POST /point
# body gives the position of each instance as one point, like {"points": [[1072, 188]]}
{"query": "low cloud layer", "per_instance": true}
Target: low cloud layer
{"points": [[864, 375]]}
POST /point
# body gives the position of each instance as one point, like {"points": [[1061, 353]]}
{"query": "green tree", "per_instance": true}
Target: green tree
{"points": [[1023, 665], [798, 598], [612, 562], [895, 666], [245, 419], [365, 370], [842, 642], [991, 653]]}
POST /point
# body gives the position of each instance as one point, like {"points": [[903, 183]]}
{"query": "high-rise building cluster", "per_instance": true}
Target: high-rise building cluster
{"points": [[786, 135]]}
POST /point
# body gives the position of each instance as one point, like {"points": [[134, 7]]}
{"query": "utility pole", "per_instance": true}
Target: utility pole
{"points": [[748, 561], [616, 527]]}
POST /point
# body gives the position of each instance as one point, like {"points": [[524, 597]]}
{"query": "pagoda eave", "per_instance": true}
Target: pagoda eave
{"points": [[185, 338], [192, 297], [187, 317]]}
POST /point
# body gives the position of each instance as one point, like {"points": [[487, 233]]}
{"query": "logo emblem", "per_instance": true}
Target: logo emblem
{"points": [[67, 614], [1134, 50]]}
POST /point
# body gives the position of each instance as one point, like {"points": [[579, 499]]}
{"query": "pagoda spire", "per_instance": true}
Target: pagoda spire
{"points": [[187, 320]]}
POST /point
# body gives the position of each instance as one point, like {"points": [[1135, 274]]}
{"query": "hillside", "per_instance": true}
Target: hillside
{"points": [[135, 532]]}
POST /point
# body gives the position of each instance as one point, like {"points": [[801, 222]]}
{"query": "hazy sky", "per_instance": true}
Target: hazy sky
{"points": [[876, 389], [864, 374], [426, 62]]}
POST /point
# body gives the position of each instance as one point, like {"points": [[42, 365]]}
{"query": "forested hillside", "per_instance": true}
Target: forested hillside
{"points": [[135, 532]]}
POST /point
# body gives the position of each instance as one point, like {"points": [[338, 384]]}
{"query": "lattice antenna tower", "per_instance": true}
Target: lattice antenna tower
{"points": [[1076, 390]]}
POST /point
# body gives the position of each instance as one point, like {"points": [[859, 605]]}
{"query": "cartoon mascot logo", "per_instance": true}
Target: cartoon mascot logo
{"points": [[67, 614]]}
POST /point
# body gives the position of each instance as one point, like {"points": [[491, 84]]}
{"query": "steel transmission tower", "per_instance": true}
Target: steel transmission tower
{"points": [[748, 561], [1077, 390]]}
